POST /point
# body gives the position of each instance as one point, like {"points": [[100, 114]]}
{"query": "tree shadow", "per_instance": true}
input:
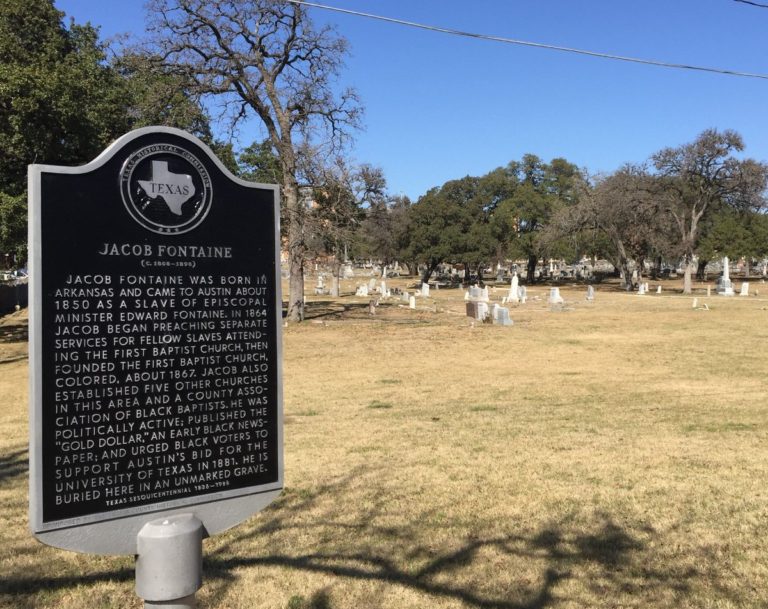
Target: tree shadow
{"points": [[310, 531], [14, 332], [13, 464], [617, 560]]}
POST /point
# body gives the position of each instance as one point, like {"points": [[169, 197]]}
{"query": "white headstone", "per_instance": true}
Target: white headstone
{"points": [[513, 289], [502, 317], [695, 303], [554, 296], [590, 293], [641, 290], [372, 284], [658, 289], [412, 302], [383, 288], [709, 291], [484, 294], [362, 290], [482, 311], [744, 289], [425, 290]]}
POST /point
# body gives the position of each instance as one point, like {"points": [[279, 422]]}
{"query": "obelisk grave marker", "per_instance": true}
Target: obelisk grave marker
{"points": [[155, 317]]}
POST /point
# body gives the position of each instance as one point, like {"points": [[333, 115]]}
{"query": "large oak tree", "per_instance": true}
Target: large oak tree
{"points": [[263, 59]]}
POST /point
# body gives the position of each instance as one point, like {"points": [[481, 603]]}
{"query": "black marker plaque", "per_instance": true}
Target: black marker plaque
{"points": [[155, 339]]}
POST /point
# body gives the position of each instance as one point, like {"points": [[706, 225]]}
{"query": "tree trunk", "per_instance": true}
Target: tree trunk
{"points": [[626, 273], [480, 281], [701, 268], [656, 269], [336, 281], [530, 273], [296, 251], [688, 275], [428, 270]]}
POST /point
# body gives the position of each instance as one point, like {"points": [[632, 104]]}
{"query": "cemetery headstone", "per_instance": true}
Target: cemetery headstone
{"points": [[412, 302], [513, 289], [425, 290], [658, 289], [471, 308], [155, 318], [502, 317], [590, 293], [554, 296], [522, 294], [482, 311], [724, 285], [744, 289]]}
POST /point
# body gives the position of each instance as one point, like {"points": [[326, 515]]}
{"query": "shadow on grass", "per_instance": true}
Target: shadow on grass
{"points": [[14, 332], [13, 464], [515, 570], [618, 563]]}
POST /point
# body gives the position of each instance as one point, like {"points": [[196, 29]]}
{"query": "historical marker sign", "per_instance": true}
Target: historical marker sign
{"points": [[155, 343]]}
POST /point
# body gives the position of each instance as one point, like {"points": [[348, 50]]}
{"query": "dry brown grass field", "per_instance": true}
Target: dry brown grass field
{"points": [[609, 454]]}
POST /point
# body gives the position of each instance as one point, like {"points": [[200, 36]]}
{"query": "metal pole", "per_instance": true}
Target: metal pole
{"points": [[169, 564]]}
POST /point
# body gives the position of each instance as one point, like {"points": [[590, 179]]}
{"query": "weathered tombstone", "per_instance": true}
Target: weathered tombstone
{"points": [[695, 303], [744, 289], [362, 290], [709, 291], [641, 289], [502, 317], [320, 287], [484, 294], [383, 288], [590, 293], [425, 290], [724, 285], [155, 354], [405, 297], [522, 294], [658, 289], [335, 289], [513, 289], [349, 272], [412, 302], [371, 284], [554, 296], [482, 311], [499, 274], [471, 308]]}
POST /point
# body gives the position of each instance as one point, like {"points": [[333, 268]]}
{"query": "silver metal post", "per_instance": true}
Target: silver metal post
{"points": [[169, 564]]}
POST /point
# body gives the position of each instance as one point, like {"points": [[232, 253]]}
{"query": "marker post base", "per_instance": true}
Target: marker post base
{"points": [[169, 564]]}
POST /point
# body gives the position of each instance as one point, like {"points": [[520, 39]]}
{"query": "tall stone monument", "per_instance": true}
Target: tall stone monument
{"points": [[724, 285]]}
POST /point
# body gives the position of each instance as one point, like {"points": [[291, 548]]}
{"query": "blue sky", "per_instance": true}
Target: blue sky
{"points": [[440, 107]]}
